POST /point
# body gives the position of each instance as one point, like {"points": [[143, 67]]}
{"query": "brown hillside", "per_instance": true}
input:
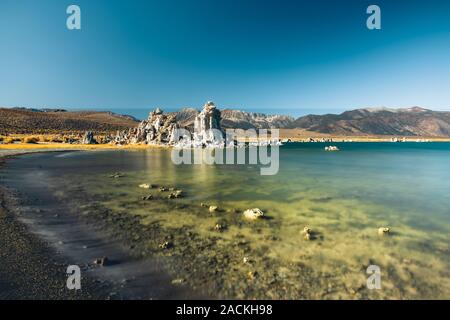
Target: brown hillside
{"points": [[23, 121]]}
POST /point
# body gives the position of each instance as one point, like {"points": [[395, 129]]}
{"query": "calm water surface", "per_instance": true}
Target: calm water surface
{"points": [[343, 196]]}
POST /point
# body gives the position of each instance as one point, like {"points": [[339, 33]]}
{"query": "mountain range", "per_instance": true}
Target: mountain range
{"points": [[413, 121]]}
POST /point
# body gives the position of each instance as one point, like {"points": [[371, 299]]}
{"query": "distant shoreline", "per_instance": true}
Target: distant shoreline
{"points": [[19, 148]]}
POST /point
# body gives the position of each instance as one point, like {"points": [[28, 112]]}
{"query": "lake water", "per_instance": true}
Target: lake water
{"points": [[344, 197]]}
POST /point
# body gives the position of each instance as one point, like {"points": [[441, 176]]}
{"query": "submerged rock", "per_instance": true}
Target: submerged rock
{"points": [[308, 234], [220, 227], [165, 245], [253, 214], [176, 194], [251, 275], [149, 197], [146, 186], [306, 230], [116, 175], [179, 193], [384, 231], [213, 209], [178, 281]]}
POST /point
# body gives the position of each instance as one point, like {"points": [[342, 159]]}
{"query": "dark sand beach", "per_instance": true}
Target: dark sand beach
{"points": [[39, 244]]}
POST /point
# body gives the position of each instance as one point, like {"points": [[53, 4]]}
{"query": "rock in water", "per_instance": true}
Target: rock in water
{"points": [[88, 138], [204, 123], [145, 186], [384, 231], [253, 214]]}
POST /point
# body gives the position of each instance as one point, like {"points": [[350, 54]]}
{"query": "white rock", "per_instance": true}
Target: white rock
{"points": [[253, 214]]}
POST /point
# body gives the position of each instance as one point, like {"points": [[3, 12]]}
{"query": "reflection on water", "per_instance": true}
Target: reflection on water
{"points": [[343, 196]]}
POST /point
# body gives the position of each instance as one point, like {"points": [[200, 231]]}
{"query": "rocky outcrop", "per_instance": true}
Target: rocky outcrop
{"points": [[157, 129], [88, 138], [207, 129]]}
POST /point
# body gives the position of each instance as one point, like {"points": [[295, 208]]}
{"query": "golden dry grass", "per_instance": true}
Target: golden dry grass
{"points": [[50, 145]]}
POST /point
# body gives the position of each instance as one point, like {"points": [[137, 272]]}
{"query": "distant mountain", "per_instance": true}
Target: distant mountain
{"points": [[247, 120], [413, 121], [23, 120], [238, 119]]}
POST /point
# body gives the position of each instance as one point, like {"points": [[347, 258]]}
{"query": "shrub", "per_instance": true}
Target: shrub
{"points": [[56, 139], [44, 138], [9, 140], [30, 140]]}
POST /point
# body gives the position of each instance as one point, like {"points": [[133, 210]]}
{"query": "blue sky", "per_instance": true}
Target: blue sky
{"points": [[291, 57]]}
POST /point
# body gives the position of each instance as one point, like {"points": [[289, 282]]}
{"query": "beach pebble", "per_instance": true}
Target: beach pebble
{"points": [[103, 261]]}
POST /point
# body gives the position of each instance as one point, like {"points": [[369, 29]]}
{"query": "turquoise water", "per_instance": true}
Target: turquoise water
{"points": [[344, 197]]}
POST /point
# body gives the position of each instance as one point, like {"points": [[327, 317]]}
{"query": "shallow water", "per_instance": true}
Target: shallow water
{"points": [[344, 197]]}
